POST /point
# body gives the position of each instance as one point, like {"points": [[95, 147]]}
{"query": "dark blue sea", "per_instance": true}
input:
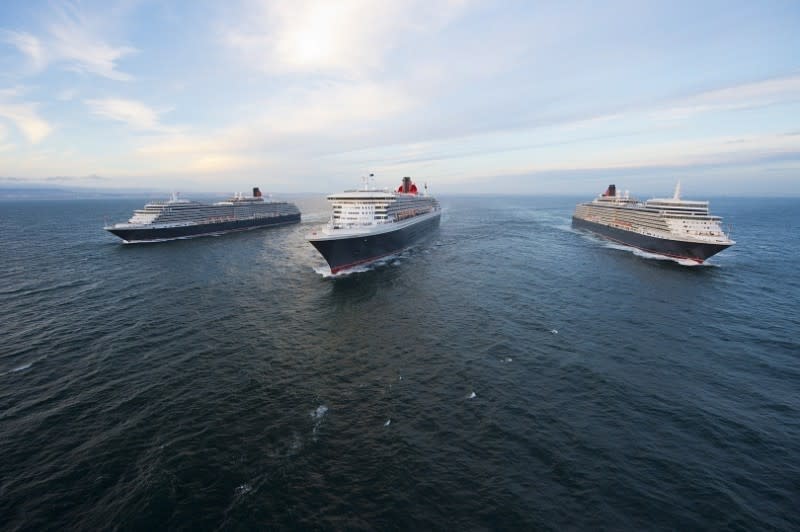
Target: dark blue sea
{"points": [[508, 373]]}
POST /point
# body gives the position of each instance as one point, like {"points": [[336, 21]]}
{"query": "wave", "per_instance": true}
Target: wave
{"points": [[317, 415], [636, 251], [651, 256], [22, 367], [389, 260]]}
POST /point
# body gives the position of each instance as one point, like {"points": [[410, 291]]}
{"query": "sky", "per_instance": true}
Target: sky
{"points": [[468, 96]]}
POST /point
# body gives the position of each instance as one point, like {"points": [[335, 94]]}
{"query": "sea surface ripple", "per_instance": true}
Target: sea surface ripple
{"points": [[508, 373]]}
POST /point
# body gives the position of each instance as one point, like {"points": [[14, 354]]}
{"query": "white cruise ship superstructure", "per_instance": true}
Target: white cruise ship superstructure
{"points": [[368, 224], [674, 227], [181, 218]]}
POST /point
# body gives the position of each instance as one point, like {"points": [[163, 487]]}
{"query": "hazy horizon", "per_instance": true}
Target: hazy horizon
{"points": [[29, 191], [468, 96]]}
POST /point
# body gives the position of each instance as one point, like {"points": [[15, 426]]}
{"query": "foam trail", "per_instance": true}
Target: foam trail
{"points": [[326, 273], [653, 256], [648, 255], [243, 489], [395, 259], [22, 367], [317, 416]]}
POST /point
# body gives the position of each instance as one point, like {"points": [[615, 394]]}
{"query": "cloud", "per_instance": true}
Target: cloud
{"points": [[3, 136], [332, 106], [136, 114], [28, 45], [216, 152], [73, 40], [725, 150], [27, 120], [296, 123], [347, 37], [742, 96]]}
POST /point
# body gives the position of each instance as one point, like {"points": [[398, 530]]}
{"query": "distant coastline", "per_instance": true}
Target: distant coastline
{"points": [[48, 192], [10, 191]]}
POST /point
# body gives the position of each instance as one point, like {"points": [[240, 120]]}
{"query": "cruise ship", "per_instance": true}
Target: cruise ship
{"points": [[672, 227], [369, 224], [181, 218]]}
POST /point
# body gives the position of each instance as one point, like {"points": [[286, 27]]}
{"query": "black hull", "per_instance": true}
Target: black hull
{"points": [[678, 249], [345, 253], [189, 231]]}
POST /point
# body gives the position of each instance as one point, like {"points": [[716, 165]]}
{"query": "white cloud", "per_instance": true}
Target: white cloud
{"points": [[26, 118], [28, 45], [135, 114], [73, 40], [328, 108], [744, 96], [347, 37], [295, 123], [725, 150], [215, 152]]}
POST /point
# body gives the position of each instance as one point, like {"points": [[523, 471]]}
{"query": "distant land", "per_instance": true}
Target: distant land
{"points": [[30, 191], [49, 192]]}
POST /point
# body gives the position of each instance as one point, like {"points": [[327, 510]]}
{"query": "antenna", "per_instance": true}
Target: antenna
{"points": [[366, 179]]}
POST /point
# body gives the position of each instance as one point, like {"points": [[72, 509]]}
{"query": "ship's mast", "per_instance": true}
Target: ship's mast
{"points": [[677, 195], [366, 179]]}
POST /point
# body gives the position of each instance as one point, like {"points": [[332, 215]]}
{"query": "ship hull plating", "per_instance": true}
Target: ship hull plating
{"points": [[679, 249], [158, 234], [345, 253]]}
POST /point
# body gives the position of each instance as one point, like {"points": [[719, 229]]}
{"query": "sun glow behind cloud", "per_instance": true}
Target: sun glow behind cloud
{"points": [[312, 94]]}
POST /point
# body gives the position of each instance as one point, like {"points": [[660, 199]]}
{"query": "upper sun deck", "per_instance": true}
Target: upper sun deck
{"points": [[615, 200], [371, 206], [673, 207], [361, 195], [676, 205]]}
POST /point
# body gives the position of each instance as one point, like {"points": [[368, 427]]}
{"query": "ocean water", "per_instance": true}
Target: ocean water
{"points": [[508, 373]]}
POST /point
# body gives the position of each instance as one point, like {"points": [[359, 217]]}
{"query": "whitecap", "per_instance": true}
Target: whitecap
{"points": [[243, 489], [388, 422], [22, 367], [472, 396], [647, 255], [654, 256], [553, 331], [393, 259], [508, 359], [326, 273], [317, 416], [319, 412]]}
